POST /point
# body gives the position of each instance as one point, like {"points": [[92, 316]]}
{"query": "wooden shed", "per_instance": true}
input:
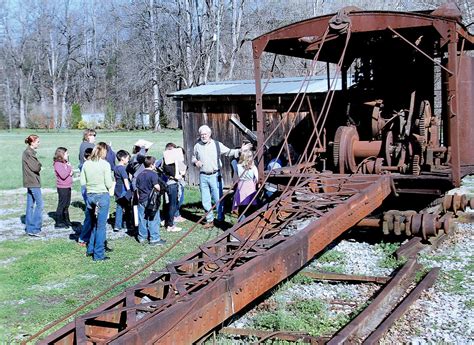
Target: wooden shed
{"points": [[215, 103]]}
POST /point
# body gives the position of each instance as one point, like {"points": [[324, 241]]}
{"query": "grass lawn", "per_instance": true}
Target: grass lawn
{"points": [[44, 279], [13, 145]]}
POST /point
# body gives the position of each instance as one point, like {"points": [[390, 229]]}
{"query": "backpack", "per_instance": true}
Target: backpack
{"points": [[153, 204]]}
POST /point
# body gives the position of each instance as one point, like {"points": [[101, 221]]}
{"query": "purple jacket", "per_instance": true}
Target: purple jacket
{"points": [[63, 173]]}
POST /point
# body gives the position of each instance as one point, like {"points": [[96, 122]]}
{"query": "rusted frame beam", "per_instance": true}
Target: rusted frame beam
{"points": [[210, 307], [452, 107], [229, 291], [345, 277]]}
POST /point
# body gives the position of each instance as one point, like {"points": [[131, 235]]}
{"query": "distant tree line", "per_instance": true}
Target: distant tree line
{"points": [[61, 58]]}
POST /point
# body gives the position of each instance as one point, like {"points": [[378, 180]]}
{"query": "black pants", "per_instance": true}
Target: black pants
{"points": [[171, 207], [64, 200]]}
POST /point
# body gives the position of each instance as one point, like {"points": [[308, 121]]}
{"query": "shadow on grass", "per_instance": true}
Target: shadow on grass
{"points": [[79, 204], [188, 212]]}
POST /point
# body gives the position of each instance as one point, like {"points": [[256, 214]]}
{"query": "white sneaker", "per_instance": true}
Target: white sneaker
{"points": [[179, 219], [162, 223], [173, 229]]}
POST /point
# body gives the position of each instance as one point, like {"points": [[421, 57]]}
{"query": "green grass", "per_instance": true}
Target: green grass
{"points": [[48, 279], [43, 280], [12, 144], [309, 315], [388, 259], [456, 281], [332, 256]]}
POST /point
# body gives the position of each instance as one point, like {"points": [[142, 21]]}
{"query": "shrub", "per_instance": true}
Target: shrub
{"points": [[82, 124], [76, 115]]}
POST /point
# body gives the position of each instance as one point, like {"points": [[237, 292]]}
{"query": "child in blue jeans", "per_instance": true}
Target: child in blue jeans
{"points": [[122, 191]]}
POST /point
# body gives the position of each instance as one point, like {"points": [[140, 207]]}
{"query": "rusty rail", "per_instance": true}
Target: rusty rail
{"points": [[368, 320], [344, 277], [211, 284], [401, 309], [278, 335]]}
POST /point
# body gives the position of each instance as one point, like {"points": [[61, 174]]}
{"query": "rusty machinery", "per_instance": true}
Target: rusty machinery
{"points": [[405, 102], [400, 134], [404, 142]]}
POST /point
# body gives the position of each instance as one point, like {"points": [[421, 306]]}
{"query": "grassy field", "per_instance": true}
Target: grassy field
{"points": [[44, 279], [12, 144]]}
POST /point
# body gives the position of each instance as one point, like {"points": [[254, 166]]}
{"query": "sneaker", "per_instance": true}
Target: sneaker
{"points": [[162, 223], [105, 258], [117, 229], [179, 219], [208, 225], [36, 234], [108, 250], [158, 243], [173, 229]]}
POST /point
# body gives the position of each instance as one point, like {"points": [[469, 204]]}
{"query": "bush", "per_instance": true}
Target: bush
{"points": [[82, 124], [76, 116]]}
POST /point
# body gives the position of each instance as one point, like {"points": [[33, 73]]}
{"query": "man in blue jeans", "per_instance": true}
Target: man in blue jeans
{"points": [[206, 156], [149, 221]]}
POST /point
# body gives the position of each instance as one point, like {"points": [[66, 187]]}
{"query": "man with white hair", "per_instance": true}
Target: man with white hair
{"points": [[206, 156]]}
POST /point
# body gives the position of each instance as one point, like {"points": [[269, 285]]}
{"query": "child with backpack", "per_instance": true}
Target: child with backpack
{"points": [[149, 189], [63, 172]]}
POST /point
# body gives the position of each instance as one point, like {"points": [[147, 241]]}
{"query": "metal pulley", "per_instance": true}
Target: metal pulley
{"points": [[457, 202], [410, 223]]}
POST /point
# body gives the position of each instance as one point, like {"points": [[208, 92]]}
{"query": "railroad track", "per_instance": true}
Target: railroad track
{"points": [[397, 293]]}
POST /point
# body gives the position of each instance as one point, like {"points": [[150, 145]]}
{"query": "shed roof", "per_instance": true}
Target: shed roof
{"points": [[276, 86]]}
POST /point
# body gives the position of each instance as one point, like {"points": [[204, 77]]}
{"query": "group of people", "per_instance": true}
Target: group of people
{"points": [[138, 183]]}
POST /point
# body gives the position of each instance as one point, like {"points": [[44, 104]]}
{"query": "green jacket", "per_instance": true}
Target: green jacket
{"points": [[31, 169], [96, 176]]}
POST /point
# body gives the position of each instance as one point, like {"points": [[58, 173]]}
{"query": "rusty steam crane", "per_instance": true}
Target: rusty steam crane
{"points": [[399, 130]]}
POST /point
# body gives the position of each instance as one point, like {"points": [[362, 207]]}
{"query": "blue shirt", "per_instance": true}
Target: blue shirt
{"points": [[146, 180], [120, 175]]}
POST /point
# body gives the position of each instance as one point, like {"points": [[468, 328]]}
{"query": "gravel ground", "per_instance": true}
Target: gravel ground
{"points": [[444, 314], [12, 204]]}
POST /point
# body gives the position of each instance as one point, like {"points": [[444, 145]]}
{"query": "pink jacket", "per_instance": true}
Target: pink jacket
{"points": [[63, 173]]}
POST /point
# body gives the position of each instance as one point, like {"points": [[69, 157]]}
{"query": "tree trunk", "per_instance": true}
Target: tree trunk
{"points": [[189, 54], [8, 105], [64, 96], [237, 9], [21, 103], [156, 92]]}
